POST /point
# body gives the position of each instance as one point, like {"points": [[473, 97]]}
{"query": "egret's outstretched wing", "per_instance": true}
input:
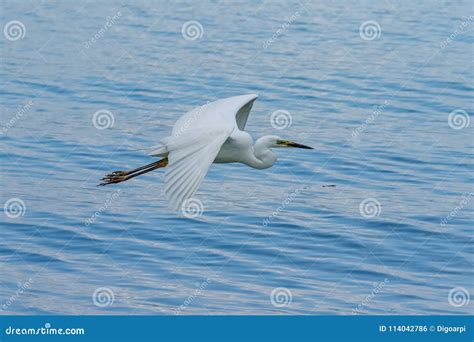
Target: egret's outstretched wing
{"points": [[189, 158], [233, 110], [243, 114]]}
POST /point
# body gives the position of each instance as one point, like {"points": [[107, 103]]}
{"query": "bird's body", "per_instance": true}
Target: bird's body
{"points": [[213, 133], [231, 150], [239, 148]]}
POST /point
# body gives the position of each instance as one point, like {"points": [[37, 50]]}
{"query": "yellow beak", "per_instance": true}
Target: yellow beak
{"points": [[289, 143]]}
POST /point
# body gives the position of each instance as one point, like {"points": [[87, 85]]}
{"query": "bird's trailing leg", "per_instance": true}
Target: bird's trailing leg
{"points": [[122, 176]]}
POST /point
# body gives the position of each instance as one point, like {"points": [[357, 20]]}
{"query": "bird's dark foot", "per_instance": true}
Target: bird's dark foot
{"points": [[114, 177], [119, 173]]}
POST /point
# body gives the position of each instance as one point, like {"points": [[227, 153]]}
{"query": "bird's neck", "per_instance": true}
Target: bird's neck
{"points": [[262, 156]]}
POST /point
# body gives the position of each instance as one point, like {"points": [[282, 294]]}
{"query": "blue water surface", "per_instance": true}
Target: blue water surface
{"points": [[376, 220]]}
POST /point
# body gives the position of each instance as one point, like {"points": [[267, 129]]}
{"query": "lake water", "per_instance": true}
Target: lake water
{"points": [[376, 220]]}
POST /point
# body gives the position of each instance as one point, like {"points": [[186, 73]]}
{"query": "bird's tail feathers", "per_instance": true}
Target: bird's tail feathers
{"points": [[157, 150], [173, 143]]}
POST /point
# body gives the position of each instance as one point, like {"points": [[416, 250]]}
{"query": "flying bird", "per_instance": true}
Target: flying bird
{"points": [[212, 133]]}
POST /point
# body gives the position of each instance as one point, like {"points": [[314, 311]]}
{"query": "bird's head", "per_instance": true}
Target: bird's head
{"points": [[262, 150], [276, 141]]}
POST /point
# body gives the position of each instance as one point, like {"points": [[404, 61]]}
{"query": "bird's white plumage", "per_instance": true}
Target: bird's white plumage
{"points": [[213, 133], [232, 111], [197, 138], [188, 164]]}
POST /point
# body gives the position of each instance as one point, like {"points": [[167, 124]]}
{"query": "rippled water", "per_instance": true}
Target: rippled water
{"points": [[375, 106]]}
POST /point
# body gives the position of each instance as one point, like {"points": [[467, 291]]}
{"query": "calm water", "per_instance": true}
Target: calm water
{"points": [[376, 112]]}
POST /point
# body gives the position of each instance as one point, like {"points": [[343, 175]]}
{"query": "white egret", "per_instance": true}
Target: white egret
{"points": [[213, 133]]}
